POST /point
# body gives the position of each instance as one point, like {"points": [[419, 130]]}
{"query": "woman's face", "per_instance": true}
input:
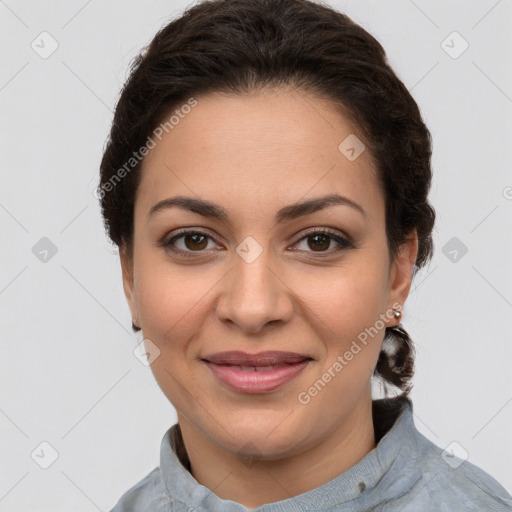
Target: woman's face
{"points": [[263, 278]]}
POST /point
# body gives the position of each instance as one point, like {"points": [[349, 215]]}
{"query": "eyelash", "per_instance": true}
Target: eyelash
{"points": [[343, 242]]}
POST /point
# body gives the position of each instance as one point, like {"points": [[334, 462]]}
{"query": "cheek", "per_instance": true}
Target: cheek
{"points": [[347, 299], [345, 308], [172, 305], [171, 300]]}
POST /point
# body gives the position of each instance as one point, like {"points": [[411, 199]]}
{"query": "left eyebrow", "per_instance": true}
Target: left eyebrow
{"points": [[289, 212]]}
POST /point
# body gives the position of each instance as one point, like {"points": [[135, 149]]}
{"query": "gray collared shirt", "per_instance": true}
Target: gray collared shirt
{"points": [[405, 472]]}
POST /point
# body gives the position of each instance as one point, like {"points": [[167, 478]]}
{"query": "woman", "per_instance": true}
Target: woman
{"points": [[266, 182]]}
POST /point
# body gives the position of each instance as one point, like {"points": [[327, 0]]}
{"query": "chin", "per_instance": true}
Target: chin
{"points": [[268, 439]]}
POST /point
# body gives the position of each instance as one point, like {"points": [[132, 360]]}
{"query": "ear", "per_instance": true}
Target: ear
{"points": [[128, 282], [400, 276]]}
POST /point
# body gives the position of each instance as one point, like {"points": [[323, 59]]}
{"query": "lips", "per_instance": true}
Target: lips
{"points": [[256, 373], [259, 360]]}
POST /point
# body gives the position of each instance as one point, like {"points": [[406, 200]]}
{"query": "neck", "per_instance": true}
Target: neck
{"points": [[260, 481]]}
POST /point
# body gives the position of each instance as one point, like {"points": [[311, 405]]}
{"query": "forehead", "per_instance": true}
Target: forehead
{"points": [[257, 149]]}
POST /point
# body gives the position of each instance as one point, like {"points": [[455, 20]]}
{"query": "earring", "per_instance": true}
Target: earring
{"points": [[397, 313]]}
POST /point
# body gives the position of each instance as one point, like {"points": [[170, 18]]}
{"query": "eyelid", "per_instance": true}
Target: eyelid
{"points": [[344, 242], [332, 232], [166, 242]]}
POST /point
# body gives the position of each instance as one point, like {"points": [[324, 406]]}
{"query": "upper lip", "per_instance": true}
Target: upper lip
{"points": [[268, 358]]}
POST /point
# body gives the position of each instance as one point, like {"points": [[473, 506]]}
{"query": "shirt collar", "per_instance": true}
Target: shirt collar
{"points": [[386, 471]]}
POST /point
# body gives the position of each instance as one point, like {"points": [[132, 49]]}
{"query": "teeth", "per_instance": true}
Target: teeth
{"points": [[264, 368], [256, 368]]}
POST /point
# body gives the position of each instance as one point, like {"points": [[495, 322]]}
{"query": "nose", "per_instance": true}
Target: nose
{"points": [[254, 294]]}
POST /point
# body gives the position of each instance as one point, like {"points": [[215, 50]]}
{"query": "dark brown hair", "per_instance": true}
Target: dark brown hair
{"points": [[236, 46]]}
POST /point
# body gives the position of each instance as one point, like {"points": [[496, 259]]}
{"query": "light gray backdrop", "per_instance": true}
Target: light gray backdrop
{"points": [[69, 378]]}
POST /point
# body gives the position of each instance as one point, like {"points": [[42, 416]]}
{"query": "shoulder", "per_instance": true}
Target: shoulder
{"points": [[147, 495], [451, 483], [425, 477]]}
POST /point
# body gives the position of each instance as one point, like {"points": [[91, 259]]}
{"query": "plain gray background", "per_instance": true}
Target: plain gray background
{"points": [[68, 374]]}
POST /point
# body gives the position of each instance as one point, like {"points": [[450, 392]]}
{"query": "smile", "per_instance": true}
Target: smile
{"points": [[256, 379]]}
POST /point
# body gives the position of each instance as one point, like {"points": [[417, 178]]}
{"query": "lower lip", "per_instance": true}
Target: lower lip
{"points": [[250, 381]]}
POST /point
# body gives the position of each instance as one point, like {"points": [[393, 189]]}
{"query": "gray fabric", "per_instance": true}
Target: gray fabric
{"points": [[405, 472]]}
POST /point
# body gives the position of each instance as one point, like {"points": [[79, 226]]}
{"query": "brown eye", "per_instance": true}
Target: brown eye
{"points": [[195, 241], [188, 242], [319, 242]]}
